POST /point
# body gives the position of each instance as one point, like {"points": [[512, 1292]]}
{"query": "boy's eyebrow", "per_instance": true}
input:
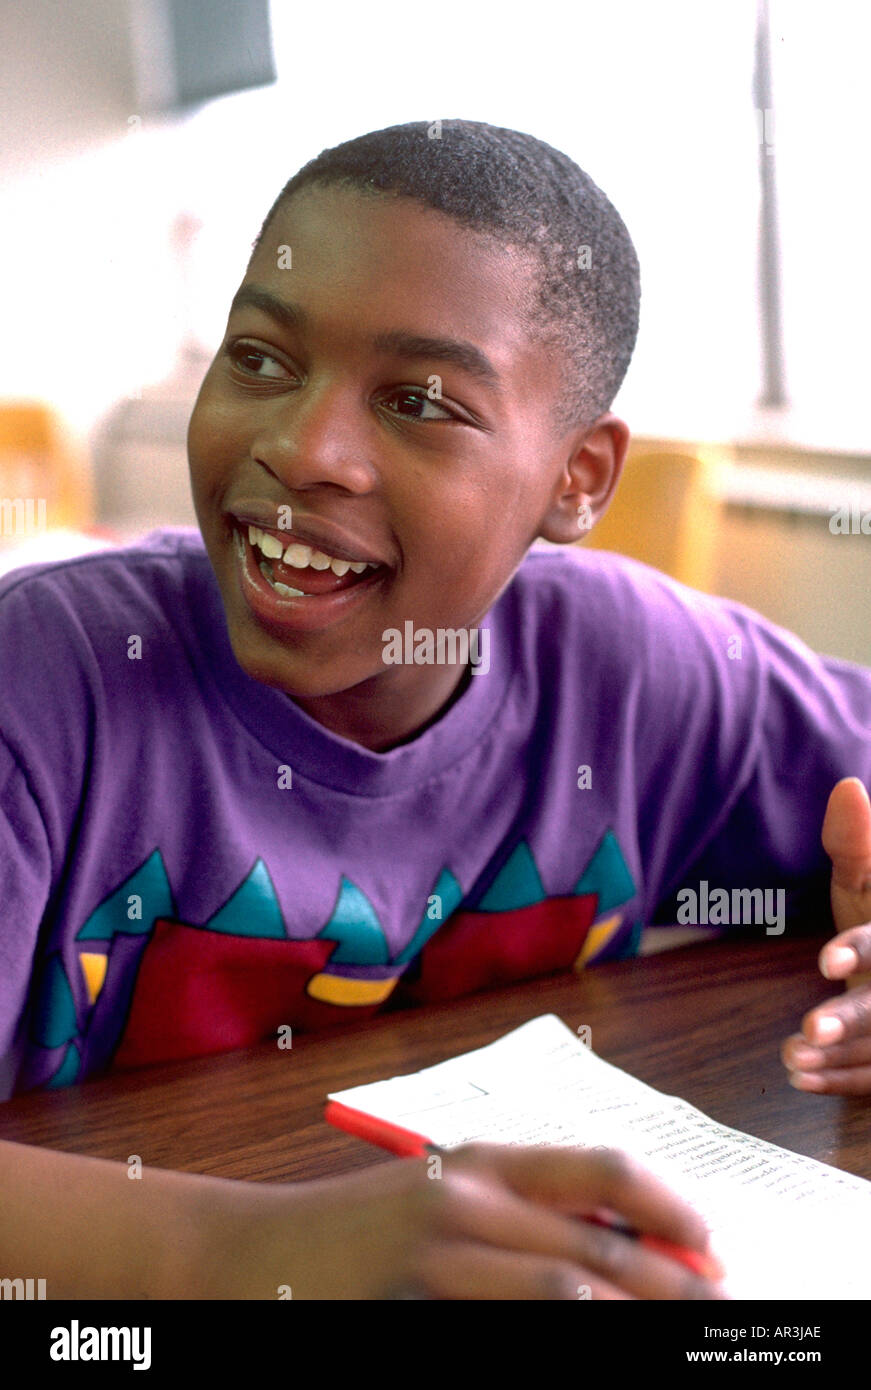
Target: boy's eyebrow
{"points": [[397, 342]]}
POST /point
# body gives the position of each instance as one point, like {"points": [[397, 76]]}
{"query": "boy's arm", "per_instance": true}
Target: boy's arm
{"points": [[497, 1224], [746, 756], [91, 1231]]}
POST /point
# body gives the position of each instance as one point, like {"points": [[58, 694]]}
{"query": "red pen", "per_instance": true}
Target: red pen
{"points": [[405, 1143], [402, 1142]]}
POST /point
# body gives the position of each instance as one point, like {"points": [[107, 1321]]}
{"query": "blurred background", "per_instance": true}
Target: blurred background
{"points": [[144, 140]]}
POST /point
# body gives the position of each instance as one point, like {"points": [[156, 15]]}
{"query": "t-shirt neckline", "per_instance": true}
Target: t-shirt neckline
{"points": [[315, 752]]}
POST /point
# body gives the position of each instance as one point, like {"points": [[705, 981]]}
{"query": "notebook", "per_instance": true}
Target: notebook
{"points": [[784, 1226]]}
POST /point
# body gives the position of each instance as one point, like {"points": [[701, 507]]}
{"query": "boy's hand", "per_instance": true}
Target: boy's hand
{"points": [[833, 1051], [499, 1223]]}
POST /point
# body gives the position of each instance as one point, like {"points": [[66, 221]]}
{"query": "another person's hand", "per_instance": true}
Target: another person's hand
{"points": [[832, 1053], [499, 1223]]}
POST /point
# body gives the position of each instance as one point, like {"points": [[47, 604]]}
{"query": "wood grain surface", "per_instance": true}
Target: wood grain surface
{"points": [[704, 1022]]}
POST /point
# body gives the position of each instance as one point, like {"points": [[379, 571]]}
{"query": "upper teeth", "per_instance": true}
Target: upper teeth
{"points": [[301, 556]]}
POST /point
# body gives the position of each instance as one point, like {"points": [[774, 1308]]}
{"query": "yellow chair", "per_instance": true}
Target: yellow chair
{"points": [[665, 512], [44, 476]]}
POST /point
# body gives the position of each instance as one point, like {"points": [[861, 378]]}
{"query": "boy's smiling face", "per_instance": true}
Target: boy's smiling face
{"points": [[316, 409]]}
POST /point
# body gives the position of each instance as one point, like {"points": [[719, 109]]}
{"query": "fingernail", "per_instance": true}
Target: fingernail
{"points": [[839, 957], [828, 1029], [800, 1079], [806, 1058]]}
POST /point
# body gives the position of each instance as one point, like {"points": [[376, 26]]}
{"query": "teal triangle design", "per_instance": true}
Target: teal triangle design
{"points": [[517, 884], [253, 909], [68, 1070], [607, 876], [632, 942], [110, 918], [54, 1017], [355, 926], [450, 892]]}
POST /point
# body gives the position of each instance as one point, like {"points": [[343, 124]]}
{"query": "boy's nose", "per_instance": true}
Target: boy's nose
{"points": [[318, 435]]}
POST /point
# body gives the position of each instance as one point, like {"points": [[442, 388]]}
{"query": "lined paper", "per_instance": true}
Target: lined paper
{"points": [[785, 1226]]}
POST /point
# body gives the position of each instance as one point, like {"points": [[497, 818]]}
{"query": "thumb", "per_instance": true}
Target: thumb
{"points": [[847, 841]]}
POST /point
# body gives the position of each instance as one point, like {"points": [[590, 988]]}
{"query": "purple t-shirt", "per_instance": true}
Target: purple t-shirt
{"points": [[189, 863]]}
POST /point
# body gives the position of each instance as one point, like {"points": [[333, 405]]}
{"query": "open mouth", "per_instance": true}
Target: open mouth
{"points": [[293, 583], [296, 570]]}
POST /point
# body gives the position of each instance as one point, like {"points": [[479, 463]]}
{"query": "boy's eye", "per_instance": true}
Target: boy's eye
{"points": [[418, 401], [413, 402], [250, 359]]}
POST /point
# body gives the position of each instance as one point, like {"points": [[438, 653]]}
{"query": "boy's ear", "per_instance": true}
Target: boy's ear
{"points": [[587, 483]]}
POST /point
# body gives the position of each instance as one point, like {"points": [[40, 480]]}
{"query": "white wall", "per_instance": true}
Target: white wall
{"points": [[653, 100], [67, 80]]}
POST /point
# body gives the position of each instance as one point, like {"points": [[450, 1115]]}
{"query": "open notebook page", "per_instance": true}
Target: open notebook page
{"points": [[785, 1226]]}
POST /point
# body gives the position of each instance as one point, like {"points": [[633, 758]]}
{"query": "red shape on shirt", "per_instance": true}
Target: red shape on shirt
{"points": [[481, 950], [199, 991]]}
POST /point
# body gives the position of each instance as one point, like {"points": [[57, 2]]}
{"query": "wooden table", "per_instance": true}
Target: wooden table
{"points": [[704, 1022]]}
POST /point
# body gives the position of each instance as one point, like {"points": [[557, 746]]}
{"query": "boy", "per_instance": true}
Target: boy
{"points": [[267, 784]]}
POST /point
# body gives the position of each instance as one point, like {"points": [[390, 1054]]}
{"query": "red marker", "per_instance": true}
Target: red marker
{"points": [[405, 1143], [402, 1142]]}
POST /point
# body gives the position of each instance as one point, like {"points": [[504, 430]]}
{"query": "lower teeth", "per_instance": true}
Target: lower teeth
{"points": [[283, 589]]}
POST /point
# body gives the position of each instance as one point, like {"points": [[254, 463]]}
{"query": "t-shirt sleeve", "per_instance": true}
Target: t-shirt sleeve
{"points": [[25, 881], [744, 735]]}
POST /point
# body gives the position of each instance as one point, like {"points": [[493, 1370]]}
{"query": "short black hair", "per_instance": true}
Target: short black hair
{"points": [[514, 188]]}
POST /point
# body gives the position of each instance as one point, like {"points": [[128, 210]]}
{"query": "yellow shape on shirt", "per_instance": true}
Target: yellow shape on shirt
{"points": [[341, 989], [597, 937], [94, 965]]}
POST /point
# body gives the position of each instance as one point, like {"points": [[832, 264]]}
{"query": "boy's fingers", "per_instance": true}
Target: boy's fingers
{"points": [[477, 1204], [849, 951], [482, 1209], [839, 1020], [644, 1273], [846, 837], [844, 1081], [798, 1054], [582, 1180], [463, 1269]]}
